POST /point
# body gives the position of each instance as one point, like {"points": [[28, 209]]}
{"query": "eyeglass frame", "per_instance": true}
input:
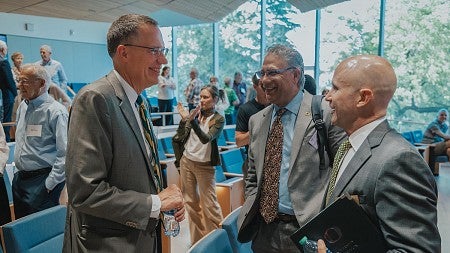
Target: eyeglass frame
{"points": [[260, 74], [156, 51], [26, 80]]}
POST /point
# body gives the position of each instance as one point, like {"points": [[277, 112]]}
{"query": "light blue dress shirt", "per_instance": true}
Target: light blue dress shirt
{"points": [[41, 137], [288, 120], [56, 72]]}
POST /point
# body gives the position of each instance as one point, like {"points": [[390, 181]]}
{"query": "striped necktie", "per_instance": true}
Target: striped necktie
{"points": [[150, 137], [343, 148], [272, 166]]}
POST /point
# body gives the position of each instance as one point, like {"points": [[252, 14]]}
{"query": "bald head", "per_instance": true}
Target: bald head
{"points": [[369, 72]]}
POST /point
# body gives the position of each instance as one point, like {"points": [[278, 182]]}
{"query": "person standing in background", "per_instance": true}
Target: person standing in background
{"points": [[166, 89], [17, 59], [114, 180], [53, 67], [192, 91], [240, 88], [5, 211], [223, 103], [8, 87], [41, 141], [243, 117], [233, 101]]}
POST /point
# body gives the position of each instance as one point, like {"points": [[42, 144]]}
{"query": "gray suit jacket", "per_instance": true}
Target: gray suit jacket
{"points": [[397, 190], [306, 181], [108, 180]]}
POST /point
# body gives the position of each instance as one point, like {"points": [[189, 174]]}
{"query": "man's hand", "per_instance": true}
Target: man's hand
{"points": [[172, 198], [321, 247]]}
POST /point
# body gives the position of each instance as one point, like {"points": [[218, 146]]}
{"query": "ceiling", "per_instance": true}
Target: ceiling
{"points": [[167, 12]]}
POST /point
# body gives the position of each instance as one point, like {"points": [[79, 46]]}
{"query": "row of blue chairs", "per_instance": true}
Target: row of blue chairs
{"points": [[223, 239], [41, 232]]}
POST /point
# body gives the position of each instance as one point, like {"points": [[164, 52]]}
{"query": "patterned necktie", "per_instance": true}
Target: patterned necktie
{"points": [[343, 148], [150, 137], [272, 166]]}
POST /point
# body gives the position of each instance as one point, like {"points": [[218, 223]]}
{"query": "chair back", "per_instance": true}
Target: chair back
{"points": [[7, 180], [221, 141], [214, 242], [229, 224], [232, 161], [409, 137], [41, 232], [220, 177], [229, 134], [417, 136], [167, 145]]}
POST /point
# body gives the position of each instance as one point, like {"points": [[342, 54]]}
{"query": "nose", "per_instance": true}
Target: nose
{"points": [[162, 59]]}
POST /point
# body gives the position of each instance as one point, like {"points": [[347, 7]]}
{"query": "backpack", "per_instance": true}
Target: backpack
{"points": [[319, 124]]}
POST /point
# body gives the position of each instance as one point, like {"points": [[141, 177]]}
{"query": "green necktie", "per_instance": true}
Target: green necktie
{"points": [[271, 174], [148, 132], [343, 148]]}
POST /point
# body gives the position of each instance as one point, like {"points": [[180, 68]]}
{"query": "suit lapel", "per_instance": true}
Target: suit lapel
{"points": [[361, 156], [264, 126], [304, 119], [128, 114]]}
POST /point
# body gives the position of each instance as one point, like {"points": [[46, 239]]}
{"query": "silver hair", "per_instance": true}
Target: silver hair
{"points": [[46, 48], [292, 57], [39, 72], [3, 45]]}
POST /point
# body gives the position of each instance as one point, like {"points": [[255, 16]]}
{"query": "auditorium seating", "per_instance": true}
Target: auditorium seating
{"points": [[230, 191], [214, 242], [40, 232], [232, 161], [229, 224]]}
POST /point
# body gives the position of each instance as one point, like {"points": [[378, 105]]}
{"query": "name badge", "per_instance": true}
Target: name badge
{"points": [[34, 130]]}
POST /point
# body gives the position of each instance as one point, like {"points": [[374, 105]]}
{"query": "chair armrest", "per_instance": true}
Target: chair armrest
{"points": [[229, 174]]}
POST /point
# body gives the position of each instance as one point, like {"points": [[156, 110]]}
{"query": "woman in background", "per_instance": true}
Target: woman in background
{"points": [[200, 129], [166, 89], [222, 104]]}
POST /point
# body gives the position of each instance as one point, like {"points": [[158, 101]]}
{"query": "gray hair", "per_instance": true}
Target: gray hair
{"points": [[292, 57], [125, 28], [39, 72], [227, 81], [3, 45], [46, 48]]}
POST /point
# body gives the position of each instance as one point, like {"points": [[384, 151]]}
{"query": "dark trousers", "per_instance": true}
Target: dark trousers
{"points": [[30, 194], [5, 214], [165, 106], [7, 115]]}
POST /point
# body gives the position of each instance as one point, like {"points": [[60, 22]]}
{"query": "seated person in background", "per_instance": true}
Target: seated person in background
{"points": [[59, 95], [41, 140], [436, 132], [5, 214]]}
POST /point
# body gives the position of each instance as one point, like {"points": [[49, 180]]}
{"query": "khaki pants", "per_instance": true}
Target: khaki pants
{"points": [[199, 192]]}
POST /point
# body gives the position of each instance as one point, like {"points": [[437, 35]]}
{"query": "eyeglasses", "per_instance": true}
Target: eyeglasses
{"points": [[156, 51], [272, 72], [25, 80]]}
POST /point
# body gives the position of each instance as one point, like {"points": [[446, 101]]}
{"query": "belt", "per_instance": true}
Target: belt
{"points": [[34, 173], [285, 217]]}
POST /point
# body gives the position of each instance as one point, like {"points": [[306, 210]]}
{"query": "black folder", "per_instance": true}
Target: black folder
{"points": [[345, 228]]}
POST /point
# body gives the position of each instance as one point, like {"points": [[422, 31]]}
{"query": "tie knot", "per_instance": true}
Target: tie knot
{"points": [[281, 111], [346, 145], [139, 100]]}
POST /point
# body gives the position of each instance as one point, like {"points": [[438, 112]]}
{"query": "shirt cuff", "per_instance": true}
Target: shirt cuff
{"points": [[156, 206]]}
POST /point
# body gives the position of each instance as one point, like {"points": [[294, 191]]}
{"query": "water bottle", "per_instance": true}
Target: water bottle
{"points": [[310, 246], [171, 226]]}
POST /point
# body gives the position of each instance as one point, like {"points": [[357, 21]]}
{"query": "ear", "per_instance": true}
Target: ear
{"points": [[121, 51], [365, 96]]}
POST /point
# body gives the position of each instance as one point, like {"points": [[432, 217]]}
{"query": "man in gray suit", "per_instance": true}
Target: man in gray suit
{"points": [[386, 174], [301, 184], [114, 193]]}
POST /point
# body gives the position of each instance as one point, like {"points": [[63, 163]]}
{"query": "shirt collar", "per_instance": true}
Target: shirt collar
{"points": [[129, 91], [358, 137], [293, 106], [38, 100]]}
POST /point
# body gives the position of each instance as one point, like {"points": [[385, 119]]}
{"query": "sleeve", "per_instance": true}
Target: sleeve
{"points": [[4, 150], [7, 80], [251, 179], [214, 130], [62, 75], [242, 119], [59, 126]]}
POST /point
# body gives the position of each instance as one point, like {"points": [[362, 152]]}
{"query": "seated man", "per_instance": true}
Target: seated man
{"points": [[41, 140], [436, 132]]}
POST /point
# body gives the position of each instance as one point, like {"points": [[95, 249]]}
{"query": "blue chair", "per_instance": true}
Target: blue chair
{"points": [[214, 242], [230, 135], [409, 137], [417, 136], [229, 224], [41, 232], [166, 143], [232, 161], [229, 190]]}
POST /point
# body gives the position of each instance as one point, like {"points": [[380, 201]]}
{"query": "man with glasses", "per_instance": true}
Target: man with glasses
{"points": [[114, 178], [284, 187], [41, 140]]}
